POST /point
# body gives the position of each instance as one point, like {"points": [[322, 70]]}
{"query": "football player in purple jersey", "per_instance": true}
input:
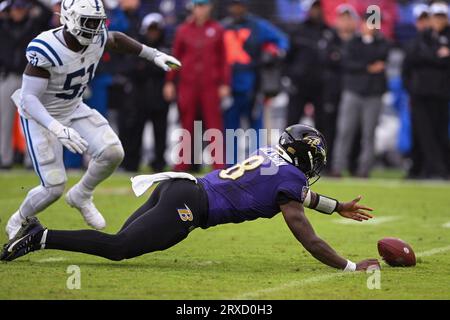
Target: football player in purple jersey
{"points": [[273, 179]]}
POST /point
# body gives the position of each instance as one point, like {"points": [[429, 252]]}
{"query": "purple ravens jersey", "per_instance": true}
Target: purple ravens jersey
{"points": [[253, 189]]}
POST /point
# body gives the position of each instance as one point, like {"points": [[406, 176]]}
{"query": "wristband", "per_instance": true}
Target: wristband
{"points": [[55, 127], [148, 53], [350, 267], [324, 204]]}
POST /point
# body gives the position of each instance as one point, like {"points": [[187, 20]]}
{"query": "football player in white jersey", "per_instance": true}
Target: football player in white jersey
{"points": [[62, 61]]}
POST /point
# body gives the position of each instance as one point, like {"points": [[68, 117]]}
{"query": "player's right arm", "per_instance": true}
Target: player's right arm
{"points": [[34, 84], [302, 229]]}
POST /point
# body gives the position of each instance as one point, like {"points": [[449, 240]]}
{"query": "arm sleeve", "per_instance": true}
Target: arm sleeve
{"points": [[32, 89]]}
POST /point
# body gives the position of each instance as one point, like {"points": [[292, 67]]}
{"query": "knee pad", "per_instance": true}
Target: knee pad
{"points": [[113, 155], [55, 192]]}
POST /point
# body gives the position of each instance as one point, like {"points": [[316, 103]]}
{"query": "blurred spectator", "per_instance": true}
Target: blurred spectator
{"points": [[149, 101], [122, 90], [421, 14], [246, 38], [19, 24], [364, 84], [304, 67], [56, 9], [388, 8], [333, 46], [98, 97], [427, 77], [205, 76], [422, 24]]}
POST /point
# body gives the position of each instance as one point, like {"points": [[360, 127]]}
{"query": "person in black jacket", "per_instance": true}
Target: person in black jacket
{"points": [[334, 42], [148, 101], [21, 21], [427, 78], [422, 16], [364, 83], [304, 67]]}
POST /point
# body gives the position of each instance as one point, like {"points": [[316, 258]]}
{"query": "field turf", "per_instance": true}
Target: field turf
{"points": [[254, 260]]}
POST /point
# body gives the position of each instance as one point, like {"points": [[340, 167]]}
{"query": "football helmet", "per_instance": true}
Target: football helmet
{"points": [[304, 147], [84, 19]]}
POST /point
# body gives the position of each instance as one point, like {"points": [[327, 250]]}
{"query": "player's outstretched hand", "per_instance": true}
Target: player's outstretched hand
{"points": [[69, 137], [366, 264], [354, 210], [166, 62]]}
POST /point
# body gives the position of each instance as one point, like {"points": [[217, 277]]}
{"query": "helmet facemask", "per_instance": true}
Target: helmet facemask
{"points": [[91, 29], [83, 19]]}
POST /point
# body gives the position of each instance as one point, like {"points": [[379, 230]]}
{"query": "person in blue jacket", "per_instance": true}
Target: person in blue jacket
{"points": [[245, 37]]}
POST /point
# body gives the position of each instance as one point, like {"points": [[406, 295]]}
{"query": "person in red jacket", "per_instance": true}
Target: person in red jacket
{"points": [[204, 80]]}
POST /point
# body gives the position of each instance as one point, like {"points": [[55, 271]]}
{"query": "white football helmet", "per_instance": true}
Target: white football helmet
{"points": [[84, 19]]}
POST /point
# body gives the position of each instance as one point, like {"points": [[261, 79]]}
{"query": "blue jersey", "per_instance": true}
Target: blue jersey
{"points": [[253, 189]]}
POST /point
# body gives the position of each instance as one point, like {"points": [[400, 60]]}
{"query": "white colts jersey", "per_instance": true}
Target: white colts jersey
{"points": [[70, 71]]}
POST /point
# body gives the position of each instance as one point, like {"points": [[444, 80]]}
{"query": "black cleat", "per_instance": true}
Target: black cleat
{"points": [[27, 240]]}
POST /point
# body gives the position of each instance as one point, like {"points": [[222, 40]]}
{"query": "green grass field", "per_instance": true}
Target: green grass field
{"points": [[254, 260]]}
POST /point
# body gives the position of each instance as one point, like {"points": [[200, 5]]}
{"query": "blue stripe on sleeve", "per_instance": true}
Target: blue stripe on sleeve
{"points": [[39, 50], [55, 54]]}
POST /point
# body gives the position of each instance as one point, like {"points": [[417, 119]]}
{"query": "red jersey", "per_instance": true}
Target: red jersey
{"points": [[201, 50]]}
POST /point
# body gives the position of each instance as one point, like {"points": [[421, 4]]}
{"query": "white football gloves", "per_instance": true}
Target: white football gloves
{"points": [[69, 137], [162, 60]]}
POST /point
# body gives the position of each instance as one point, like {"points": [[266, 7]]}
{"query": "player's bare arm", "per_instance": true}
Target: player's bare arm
{"points": [[350, 210], [121, 43], [303, 231], [33, 71]]}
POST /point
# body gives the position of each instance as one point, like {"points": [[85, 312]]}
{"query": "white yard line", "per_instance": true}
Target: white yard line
{"points": [[51, 259], [375, 221], [433, 252], [446, 225], [300, 283]]}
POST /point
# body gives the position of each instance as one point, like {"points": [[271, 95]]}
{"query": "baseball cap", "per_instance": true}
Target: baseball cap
{"points": [[152, 19], [421, 10], [308, 4], [439, 8], [346, 8]]}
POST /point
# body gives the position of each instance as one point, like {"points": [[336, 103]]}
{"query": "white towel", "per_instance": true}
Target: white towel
{"points": [[142, 183]]}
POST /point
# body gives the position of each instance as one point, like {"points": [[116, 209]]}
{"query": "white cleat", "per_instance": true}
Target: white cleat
{"points": [[86, 207], [14, 224]]}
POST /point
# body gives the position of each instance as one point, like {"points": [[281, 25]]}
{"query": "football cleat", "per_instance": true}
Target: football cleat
{"points": [[85, 205], [27, 240]]}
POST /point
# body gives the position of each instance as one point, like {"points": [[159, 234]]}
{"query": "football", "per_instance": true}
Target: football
{"points": [[396, 252]]}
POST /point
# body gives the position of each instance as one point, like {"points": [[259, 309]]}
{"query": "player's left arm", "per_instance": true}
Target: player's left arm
{"points": [[351, 210], [298, 223], [121, 43]]}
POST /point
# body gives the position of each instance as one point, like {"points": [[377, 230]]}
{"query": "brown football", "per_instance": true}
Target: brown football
{"points": [[396, 252]]}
